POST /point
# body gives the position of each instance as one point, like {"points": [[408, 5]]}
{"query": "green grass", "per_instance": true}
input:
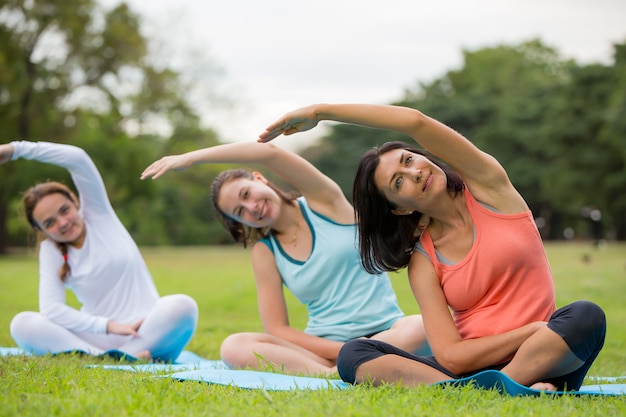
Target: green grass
{"points": [[220, 279]]}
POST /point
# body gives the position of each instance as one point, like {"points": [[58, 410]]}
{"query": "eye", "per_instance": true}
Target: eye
{"points": [[64, 209], [408, 160], [245, 194], [48, 224], [398, 183]]}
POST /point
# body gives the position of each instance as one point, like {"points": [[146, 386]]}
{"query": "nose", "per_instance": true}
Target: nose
{"points": [[251, 207], [415, 174], [62, 222]]}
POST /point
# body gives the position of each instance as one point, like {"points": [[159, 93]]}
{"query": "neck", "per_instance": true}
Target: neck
{"points": [[449, 216], [78, 243], [288, 231]]}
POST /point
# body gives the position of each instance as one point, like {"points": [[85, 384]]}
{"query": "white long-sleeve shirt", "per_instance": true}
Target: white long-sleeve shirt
{"points": [[108, 274]]}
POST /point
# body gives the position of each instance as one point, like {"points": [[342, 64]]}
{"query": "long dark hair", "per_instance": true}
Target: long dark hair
{"points": [[386, 240], [239, 231], [31, 198]]}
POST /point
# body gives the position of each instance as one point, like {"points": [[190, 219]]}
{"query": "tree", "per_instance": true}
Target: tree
{"points": [[587, 131], [557, 128], [71, 72]]}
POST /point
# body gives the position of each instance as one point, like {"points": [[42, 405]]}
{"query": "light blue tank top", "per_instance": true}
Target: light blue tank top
{"points": [[343, 301]]}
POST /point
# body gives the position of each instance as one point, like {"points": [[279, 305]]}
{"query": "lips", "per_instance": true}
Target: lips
{"points": [[428, 181], [263, 211], [67, 230]]}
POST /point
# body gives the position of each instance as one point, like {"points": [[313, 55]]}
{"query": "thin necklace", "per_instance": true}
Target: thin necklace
{"points": [[294, 239]]}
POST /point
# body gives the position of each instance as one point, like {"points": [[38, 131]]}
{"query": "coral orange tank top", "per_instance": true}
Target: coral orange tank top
{"points": [[505, 280]]}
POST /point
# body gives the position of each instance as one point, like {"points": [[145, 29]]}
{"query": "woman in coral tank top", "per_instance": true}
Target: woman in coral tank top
{"points": [[479, 271]]}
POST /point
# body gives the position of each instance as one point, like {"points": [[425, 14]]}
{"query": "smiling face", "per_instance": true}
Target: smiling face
{"points": [[408, 180], [250, 201], [57, 217]]}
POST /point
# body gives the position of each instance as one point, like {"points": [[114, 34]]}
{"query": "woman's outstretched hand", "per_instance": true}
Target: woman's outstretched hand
{"points": [[167, 163], [6, 152], [299, 120]]}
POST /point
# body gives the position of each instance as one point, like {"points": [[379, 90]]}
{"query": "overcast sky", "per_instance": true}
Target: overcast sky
{"points": [[277, 55]]}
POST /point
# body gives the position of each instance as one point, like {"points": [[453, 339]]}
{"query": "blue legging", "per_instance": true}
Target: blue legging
{"points": [[582, 325]]}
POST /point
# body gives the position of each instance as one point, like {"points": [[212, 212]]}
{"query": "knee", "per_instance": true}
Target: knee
{"points": [[182, 306], [351, 355], [24, 325], [21, 322], [591, 318], [236, 349], [582, 325], [593, 323]]}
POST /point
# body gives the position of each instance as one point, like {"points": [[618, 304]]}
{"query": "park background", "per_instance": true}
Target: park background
{"points": [[91, 74]]}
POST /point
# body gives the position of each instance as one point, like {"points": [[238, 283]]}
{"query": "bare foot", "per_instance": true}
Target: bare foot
{"points": [[543, 386], [144, 355]]}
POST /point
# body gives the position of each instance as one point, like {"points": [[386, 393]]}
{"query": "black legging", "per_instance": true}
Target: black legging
{"points": [[582, 325]]}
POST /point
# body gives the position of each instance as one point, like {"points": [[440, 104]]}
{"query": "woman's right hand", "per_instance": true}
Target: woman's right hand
{"points": [[299, 120], [167, 163], [124, 329], [6, 153]]}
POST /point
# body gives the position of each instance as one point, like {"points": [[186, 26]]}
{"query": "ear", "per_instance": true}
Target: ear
{"points": [[258, 176], [424, 222], [421, 226], [401, 212]]}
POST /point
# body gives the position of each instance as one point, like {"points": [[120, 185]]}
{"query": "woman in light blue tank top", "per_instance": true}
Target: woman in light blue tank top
{"points": [[307, 244]]}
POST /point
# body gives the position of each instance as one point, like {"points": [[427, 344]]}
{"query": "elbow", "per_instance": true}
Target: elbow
{"points": [[270, 153], [416, 121], [280, 331], [46, 311], [270, 146], [454, 363], [76, 152]]}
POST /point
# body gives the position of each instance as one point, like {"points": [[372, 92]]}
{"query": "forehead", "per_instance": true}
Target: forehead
{"points": [[49, 205], [387, 166]]}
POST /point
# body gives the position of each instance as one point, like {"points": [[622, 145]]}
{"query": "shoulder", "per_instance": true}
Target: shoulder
{"points": [[338, 210], [504, 198], [262, 249]]}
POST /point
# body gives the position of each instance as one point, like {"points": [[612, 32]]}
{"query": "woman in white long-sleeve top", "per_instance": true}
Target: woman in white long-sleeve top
{"points": [[86, 248]]}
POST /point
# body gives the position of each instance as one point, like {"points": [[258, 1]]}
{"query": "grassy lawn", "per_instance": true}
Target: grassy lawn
{"points": [[220, 279]]}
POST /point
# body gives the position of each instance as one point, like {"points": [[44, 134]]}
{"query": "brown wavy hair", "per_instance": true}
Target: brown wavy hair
{"points": [[239, 231], [31, 198]]}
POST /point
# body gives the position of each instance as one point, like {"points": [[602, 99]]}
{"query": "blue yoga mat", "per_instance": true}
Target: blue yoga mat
{"points": [[505, 385], [191, 367], [269, 381], [187, 360], [116, 354], [13, 351]]}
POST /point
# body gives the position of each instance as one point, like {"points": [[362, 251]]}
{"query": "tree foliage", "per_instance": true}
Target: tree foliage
{"points": [[71, 72], [557, 127]]}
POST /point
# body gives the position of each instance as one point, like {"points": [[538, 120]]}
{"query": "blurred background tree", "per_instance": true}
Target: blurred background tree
{"points": [[557, 127], [73, 72]]}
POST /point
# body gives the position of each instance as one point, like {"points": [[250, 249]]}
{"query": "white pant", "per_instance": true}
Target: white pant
{"points": [[165, 332]]}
